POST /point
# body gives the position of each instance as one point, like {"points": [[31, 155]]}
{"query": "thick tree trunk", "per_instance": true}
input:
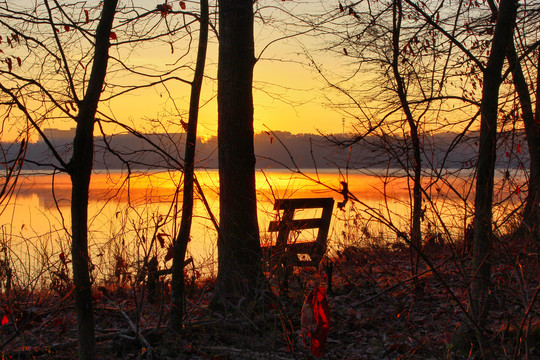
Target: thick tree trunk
{"points": [[483, 232], [80, 168], [239, 268], [180, 245]]}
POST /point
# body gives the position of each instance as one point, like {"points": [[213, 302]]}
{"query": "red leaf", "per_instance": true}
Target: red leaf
{"points": [[113, 35], [508, 154], [518, 190], [1, 40], [315, 321], [5, 320], [19, 61], [519, 147], [9, 64], [66, 27], [341, 8], [15, 37], [183, 5], [87, 17], [165, 9]]}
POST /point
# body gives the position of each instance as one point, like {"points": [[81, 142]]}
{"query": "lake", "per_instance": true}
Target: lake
{"points": [[131, 216]]}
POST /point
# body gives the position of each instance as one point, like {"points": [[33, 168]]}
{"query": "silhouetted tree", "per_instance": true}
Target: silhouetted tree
{"points": [[181, 242], [57, 62], [530, 115], [483, 214], [401, 90], [79, 168], [239, 268]]}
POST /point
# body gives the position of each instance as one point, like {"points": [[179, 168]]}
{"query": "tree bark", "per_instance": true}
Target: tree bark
{"points": [[483, 232], [79, 169], [180, 245], [239, 269]]}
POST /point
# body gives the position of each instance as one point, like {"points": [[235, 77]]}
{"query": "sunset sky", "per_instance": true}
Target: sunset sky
{"points": [[288, 94]]}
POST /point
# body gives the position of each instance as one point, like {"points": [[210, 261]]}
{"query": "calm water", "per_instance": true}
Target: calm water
{"points": [[126, 213]]}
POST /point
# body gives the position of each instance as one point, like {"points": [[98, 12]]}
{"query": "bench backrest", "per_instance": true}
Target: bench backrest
{"points": [[315, 249]]}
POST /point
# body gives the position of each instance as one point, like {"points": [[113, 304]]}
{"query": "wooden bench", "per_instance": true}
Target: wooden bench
{"points": [[287, 254]]}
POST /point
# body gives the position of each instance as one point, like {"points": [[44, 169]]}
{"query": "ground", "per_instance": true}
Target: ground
{"points": [[378, 311]]}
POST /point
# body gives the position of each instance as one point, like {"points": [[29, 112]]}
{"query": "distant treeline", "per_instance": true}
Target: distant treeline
{"points": [[280, 150]]}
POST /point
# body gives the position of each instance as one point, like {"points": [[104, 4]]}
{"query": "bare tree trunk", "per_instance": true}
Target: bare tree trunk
{"points": [[531, 213], [80, 168], [416, 232], [180, 245], [477, 317], [532, 209], [483, 232], [532, 132], [239, 269]]}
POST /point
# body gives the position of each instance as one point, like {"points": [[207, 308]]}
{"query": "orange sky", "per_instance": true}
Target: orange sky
{"points": [[287, 96]]}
